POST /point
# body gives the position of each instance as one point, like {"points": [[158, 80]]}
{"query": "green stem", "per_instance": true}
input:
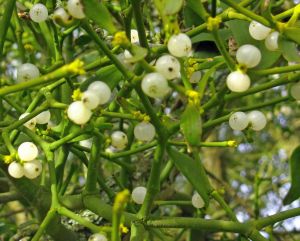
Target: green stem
{"points": [[247, 12], [204, 144], [153, 185], [173, 202], [4, 23], [276, 70], [9, 196], [91, 179], [106, 50], [137, 12], [47, 220], [221, 46], [94, 228]]}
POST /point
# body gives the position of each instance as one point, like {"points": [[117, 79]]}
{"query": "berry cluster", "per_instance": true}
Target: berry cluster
{"points": [[28, 165], [240, 120]]}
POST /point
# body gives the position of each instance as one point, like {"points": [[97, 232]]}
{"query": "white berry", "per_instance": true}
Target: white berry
{"points": [[155, 85], [197, 201], [29, 124], [16, 170], [248, 55], [168, 66], [79, 113], [103, 91], [134, 36], [257, 120], [295, 91], [91, 99], [43, 117], [119, 140], [144, 131], [27, 72], [271, 41], [138, 194], [97, 237], [27, 151], [38, 13], [180, 45], [258, 31], [238, 121], [60, 14], [195, 77], [75, 9], [32, 169], [237, 81]]}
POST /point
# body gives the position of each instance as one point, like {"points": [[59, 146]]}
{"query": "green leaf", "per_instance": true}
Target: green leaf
{"points": [[191, 124], [168, 7], [97, 12], [138, 52], [294, 192], [224, 33], [289, 50], [293, 33], [197, 7], [193, 171]]}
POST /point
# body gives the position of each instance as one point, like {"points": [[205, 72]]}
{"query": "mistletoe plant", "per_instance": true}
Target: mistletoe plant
{"points": [[108, 109]]}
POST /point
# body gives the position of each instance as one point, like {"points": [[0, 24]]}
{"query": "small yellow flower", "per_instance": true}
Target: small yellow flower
{"points": [[76, 95], [121, 200], [123, 228], [7, 159], [213, 23], [232, 143], [76, 67], [193, 97], [120, 38]]}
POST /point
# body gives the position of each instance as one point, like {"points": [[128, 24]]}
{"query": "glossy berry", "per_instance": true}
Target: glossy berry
{"points": [[295, 91], [29, 124], [27, 151], [60, 16], [197, 201], [134, 36], [27, 72], [43, 117], [16, 170], [195, 77], [138, 194], [271, 41], [237, 81], [180, 45], [257, 120], [119, 140], [75, 9], [248, 55], [38, 13], [90, 99], [97, 237], [32, 169], [168, 66], [103, 91], [155, 85], [79, 113], [238, 121], [144, 131], [258, 31]]}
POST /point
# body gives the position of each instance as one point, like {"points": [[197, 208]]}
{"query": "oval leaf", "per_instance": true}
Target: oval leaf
{"points": [[168, 7], [193, 171], [289, 50], [191, 124], [97, 12], [138, 52], [294, 192], [293, 34]]}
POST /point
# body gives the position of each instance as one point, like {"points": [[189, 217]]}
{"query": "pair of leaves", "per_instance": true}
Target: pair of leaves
{"points": [[294, 192]]}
